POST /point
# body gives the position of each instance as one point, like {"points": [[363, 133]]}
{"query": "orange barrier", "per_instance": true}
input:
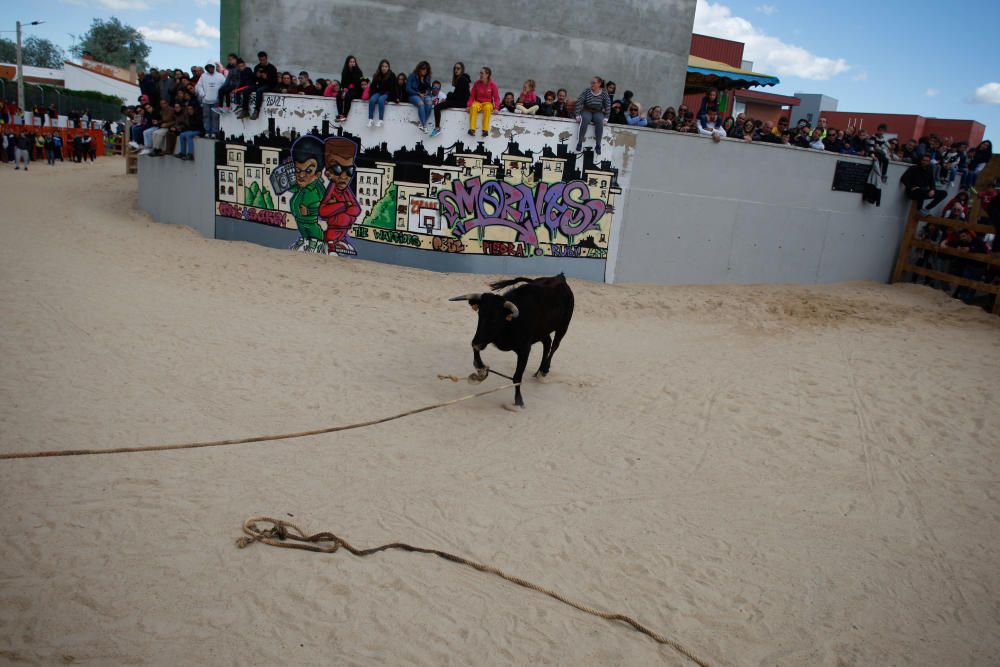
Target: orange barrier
{"points": [[67, 134]]}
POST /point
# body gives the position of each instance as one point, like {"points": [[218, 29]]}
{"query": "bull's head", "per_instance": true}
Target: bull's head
{"points": [[494, 313]]}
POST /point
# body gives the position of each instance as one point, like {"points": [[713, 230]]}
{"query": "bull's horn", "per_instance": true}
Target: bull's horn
{"points": [[471, 296], [511, 307]]}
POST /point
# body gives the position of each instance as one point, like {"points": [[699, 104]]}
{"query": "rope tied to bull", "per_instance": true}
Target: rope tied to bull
{"points": [[289, 536], [258, 438]]}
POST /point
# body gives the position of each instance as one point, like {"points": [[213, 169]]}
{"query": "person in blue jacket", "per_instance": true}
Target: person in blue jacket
{"points": [[418, 89]]}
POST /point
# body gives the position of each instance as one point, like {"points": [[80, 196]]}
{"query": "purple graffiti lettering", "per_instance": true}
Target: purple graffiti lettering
{"points": [[566, 208]]}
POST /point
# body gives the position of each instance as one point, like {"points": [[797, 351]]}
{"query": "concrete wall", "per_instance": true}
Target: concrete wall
{"points": [[691, 211], [700, 212], [180, 192], [640, 44]]}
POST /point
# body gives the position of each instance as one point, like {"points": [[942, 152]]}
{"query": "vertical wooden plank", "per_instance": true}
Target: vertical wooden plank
{"points": [[904, 246]]}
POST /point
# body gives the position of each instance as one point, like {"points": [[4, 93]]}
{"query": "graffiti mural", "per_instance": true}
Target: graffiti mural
{"points": [[461, 198]]}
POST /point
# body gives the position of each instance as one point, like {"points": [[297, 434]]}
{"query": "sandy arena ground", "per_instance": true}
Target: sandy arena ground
{"points": [[773, 475]]}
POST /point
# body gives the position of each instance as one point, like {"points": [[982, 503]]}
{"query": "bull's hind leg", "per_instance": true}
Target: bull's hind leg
{"points": [[543, 368], [547, 361]]}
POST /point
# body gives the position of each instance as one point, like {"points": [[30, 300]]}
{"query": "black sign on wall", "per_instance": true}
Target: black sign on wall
{"points": [[850, 176]]}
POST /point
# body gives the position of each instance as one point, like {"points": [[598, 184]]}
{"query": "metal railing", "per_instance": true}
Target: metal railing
{"points": [[65, 101]]}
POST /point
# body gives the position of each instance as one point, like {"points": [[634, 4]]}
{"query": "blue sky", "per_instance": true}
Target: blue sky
{"points": [[892, 56]]}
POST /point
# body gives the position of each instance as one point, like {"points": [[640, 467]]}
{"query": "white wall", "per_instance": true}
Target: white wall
{"points": [[691, 211], [700, 212], [81, 79]]}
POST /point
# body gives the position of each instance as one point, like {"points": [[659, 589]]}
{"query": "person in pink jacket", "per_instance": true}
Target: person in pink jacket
{"points": [[483, 98]]}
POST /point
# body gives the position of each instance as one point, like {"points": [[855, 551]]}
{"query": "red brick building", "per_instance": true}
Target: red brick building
{"points": [[908, 126]]}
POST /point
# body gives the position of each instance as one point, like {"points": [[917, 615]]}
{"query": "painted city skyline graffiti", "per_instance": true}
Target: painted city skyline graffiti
{"points": [[457, 198]]}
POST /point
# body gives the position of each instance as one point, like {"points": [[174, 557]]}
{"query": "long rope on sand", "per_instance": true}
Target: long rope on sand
{"points": [[244, 441], [289, 536]]}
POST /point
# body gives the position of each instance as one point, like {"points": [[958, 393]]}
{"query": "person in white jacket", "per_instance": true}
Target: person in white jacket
{"points": [[711, 126], [208, 94]]}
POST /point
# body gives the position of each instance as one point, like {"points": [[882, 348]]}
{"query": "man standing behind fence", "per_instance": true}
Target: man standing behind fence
{"points": [[207, 90]]}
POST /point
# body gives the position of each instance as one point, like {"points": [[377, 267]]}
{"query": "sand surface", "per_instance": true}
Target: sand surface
{"points": [[773, 475]]}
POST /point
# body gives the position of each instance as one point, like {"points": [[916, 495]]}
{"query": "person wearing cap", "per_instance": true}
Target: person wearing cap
{"points": [[207, 90], [339, 206]]}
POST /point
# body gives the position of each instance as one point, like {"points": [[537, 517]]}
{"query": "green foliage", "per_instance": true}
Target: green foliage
{"points": [[114, 43], [35, 52], [383, 215], [257, 196]]}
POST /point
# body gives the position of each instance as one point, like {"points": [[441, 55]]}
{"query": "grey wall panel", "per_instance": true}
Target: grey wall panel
{"points": [[641, 44], [179, 192], [775, 244]]}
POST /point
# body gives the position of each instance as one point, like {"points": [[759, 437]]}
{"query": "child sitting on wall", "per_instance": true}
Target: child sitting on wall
{"points": [[527, 101]]}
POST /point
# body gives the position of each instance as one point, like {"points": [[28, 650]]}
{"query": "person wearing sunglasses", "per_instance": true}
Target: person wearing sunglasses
{"points": [[339, 206], [634, 115]]}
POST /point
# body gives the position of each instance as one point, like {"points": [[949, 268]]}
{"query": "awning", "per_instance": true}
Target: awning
{"points": [[703, 74]]}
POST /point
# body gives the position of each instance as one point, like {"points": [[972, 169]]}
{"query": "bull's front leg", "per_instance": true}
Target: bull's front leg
{"points": [[522, 363], [482, 370]]}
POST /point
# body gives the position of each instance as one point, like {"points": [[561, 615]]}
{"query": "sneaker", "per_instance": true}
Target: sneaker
{"points": [[179, 156], [134, 146], [472, 133], [378, 124], [341, 119], [423, 128], [146, 151], [579, 147], [436, 131], [371, 122], [597, 149], [485, 133]]}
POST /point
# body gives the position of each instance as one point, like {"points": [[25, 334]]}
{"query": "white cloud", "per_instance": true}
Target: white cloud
{"points": [[202, 29], [123, 4], [172, 36], [769, 54], [766, 9], [931, 92], [988, 93]]}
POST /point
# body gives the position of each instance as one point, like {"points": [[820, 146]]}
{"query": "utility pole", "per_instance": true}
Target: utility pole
{"points": [[20, 72], [20, 69]]}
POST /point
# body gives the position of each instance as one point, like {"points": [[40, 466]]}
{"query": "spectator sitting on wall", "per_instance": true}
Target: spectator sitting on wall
{"points": [[437, 95], [709, 101], [508, 104], [710, 126], [306, 86], [458, 98], [333, 88], [781, 127], [561, 104], [816, 140], [484, 97], [265, 80], [635, 116], [669, 119], [593, 107], [611, 87], [919, 183], [350, 87], [379, 92], [288, 85], [231, 83], [729, 125], [981, 158], [617, 116], [527, 101], [654, 119], [418, 92], [188, 127], [548, 106], [397, 92], [627, 100]]}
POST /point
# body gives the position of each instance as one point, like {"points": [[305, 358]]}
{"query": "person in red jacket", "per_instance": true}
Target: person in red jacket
{"points": [[339, 206], [484, 98]]}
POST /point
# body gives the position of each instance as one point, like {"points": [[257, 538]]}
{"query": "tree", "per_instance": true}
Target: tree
{"points": [[114, 43], [35, 51]]}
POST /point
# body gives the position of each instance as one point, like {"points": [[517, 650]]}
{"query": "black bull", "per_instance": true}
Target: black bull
{"points": [[514, 321]]}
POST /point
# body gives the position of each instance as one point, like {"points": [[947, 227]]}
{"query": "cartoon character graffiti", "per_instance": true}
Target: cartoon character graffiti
{"points": [[307, 160], [339, 206]]}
